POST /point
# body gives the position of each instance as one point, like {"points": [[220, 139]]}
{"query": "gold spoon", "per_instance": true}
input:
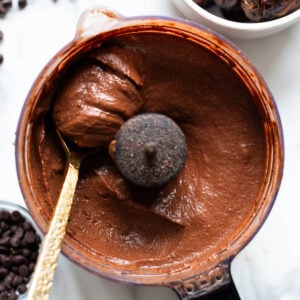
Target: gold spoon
{"points": [[43, 275]]}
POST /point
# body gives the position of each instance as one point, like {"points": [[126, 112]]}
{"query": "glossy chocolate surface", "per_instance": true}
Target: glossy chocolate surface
{"points": [[199, 211]]}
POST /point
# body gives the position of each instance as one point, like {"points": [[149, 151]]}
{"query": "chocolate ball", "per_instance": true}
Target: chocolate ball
{"points": [[150, 150]]}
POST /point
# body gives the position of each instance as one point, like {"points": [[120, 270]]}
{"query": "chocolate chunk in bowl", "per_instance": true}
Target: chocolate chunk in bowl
{"points": [[183, 234]]}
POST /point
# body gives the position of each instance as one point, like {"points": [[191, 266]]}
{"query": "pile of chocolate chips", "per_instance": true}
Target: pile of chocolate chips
{"points": [[19, 247]]}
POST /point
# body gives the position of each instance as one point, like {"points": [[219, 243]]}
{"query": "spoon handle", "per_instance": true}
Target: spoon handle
{"points": [[42, 278]]}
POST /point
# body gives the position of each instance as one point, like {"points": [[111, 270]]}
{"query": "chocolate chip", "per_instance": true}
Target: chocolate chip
{"points": [[8, 280], [3, 272], [7, 233], [3, 10], [26, 252], [38, 239], [5, 241], [15, 242], [26, 279], [22, 289], [24, 243], [6, 262], [34, 256], [7, 3], [22, 3], [31, 267], [26, 226], [4, 296], [4, 226], [16, 281], [13, 228], [30, 237], [19, 232], [12, 295], [4, 215], [23, 270], [8, 295], [3, 250], [1, 35], [18, 260], [16, 216]]}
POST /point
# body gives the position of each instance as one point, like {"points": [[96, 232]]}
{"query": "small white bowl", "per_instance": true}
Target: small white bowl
{"points": [[10, 206], [232, 29]]}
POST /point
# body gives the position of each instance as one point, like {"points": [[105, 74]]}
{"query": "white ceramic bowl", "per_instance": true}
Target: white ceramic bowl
{"points": [[232, 29]]}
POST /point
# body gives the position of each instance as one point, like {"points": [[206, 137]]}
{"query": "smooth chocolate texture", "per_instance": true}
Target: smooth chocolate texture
{"points": [[101, 93], [206, 206]]}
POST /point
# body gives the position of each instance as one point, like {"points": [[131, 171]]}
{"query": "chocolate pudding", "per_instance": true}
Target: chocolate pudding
{"points": [[197, 214]]}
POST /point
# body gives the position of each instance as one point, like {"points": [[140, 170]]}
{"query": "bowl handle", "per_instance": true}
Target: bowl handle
{"points": [[217, 284], [227, 292], [95, 20]]}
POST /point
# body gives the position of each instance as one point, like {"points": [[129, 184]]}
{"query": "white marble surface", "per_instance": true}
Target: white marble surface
{"points": [[269, 267]]}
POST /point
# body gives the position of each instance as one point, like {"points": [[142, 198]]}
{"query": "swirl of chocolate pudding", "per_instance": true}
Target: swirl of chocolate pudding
{"points": [[99, 95], [199, 212]]}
